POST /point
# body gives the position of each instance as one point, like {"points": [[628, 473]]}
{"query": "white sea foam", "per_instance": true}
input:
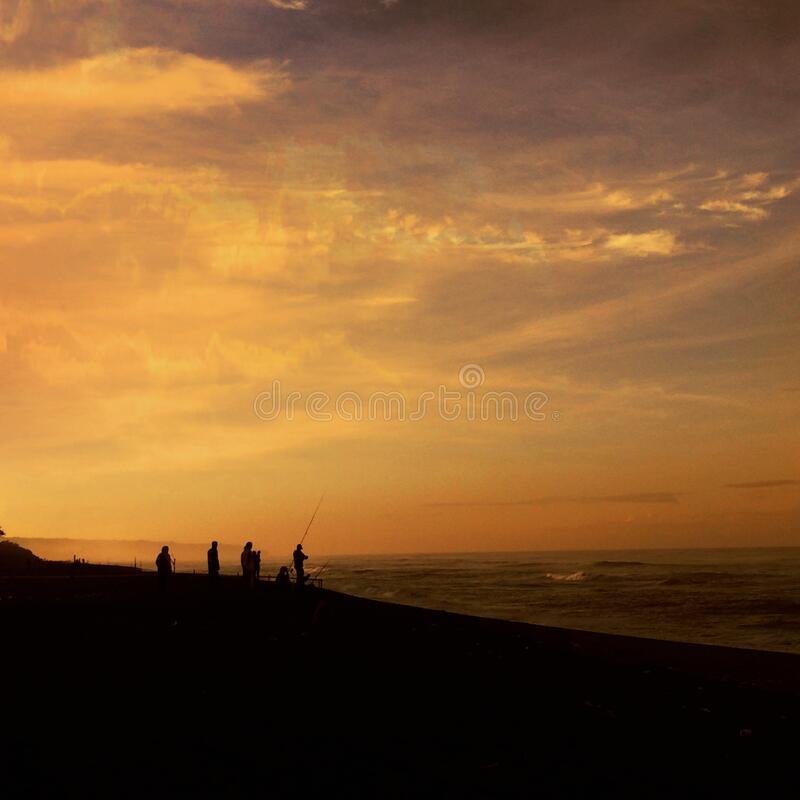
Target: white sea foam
{"points": [[568, 577]]}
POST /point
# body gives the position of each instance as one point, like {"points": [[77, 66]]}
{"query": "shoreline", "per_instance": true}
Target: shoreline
{"points": [[752, 665], [757, 667]]}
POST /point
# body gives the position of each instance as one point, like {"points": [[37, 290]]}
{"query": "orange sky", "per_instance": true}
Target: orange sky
{"points": [[597, 202]]}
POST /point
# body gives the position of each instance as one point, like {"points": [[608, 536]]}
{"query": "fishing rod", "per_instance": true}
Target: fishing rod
{"points": [[311, 521], [308, 528]]}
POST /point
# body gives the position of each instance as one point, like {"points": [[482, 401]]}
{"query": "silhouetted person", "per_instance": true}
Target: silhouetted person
{"points": [[164, 567], [248, 566], [282, 579], [257, 564], [299, 568], [213, 564]]}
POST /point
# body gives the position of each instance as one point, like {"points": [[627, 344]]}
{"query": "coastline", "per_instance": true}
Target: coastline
{"points": [[385, 696], [739, 665]]}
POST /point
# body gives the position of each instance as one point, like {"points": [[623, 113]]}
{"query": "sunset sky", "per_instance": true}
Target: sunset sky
{"points": [[599, 202]]}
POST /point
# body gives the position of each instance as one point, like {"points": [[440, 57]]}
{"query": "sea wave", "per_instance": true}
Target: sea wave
{"points": [[568, 577]]}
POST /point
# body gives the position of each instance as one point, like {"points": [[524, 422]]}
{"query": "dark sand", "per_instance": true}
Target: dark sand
{"points": [[109, 690]]}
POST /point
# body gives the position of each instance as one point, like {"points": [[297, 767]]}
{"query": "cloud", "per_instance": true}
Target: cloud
{"points": [[136, 81], [734, 207], [289, 5], [658, 242], [646, 497], [748, 196], [761, 484]]}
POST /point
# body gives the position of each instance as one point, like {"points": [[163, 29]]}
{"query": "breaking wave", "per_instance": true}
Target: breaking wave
{"points": [[568, 577]]}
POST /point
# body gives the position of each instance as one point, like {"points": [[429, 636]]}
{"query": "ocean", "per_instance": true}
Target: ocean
{"points": [[742, 598], [737, 597]]}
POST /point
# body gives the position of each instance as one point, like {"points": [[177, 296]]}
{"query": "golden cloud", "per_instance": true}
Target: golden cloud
{"points": [[658, 242], [747, 196], [289, 5], [138, 81], [734, 207]]}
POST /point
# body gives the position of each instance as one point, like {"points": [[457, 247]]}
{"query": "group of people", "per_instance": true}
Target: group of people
{"points": [[251, 566], [251, 563]]}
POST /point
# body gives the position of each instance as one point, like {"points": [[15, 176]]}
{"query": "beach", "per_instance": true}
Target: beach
{"points": [[112, 689]]}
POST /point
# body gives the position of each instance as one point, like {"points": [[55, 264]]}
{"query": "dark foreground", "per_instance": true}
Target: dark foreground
{"points": [[109, 690]]}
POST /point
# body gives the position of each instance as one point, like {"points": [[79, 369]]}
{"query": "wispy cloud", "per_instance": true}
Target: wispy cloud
{"points": [[748, 196], [645, 497], [132, 82], [659, 242], [762, 484], [289, 5]]}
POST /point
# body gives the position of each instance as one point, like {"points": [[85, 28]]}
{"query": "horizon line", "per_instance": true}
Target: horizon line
{"points": [[323, 554]]}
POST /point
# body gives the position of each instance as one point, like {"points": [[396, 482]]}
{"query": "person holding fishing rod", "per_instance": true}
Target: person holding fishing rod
{"points": [[299, 557]]}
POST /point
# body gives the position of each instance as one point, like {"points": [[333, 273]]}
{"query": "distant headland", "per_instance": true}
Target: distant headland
{"points": [[18, 560]]}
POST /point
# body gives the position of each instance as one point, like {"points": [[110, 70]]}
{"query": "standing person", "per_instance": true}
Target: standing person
{"points": [[299, 568], [283, 581], [247, 565], [164, 567], [213, 564], [257, 564]]}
